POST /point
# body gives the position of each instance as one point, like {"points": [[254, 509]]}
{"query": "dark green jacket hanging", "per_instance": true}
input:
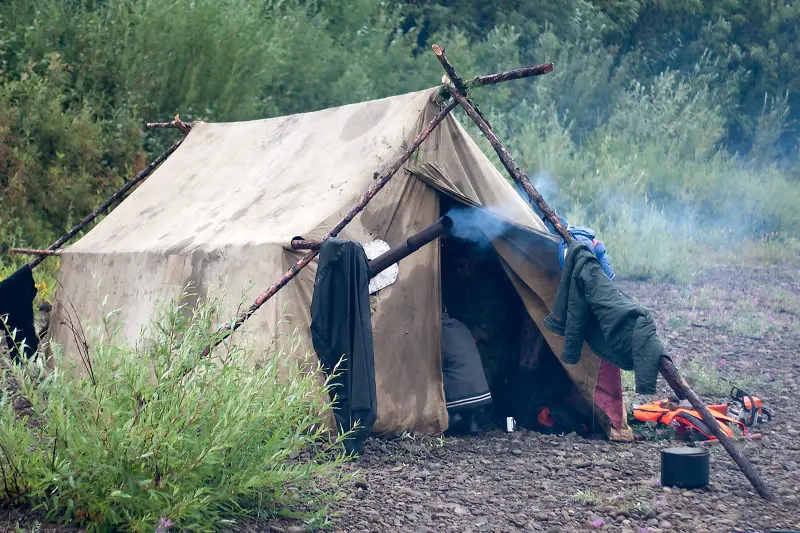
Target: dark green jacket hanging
{"points": [[341, 327], [589, 306]]}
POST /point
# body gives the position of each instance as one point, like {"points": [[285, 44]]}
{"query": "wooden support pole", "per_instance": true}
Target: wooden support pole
{"points": [[679, 385], [666, 367], [298, 243], [301, 263], [516, 74], [104, 207], [30, 251], [505, 157], [176, 123]]}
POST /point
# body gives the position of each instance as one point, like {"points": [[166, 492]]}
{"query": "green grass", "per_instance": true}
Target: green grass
{"points": [[154, 434], [586, 497], [784, 301]]}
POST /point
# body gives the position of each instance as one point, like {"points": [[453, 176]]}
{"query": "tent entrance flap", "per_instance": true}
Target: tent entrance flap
{"points": [[525, 378]]}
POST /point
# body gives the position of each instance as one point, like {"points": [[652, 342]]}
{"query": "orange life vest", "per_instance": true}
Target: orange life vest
{"points": [[666, 412]]}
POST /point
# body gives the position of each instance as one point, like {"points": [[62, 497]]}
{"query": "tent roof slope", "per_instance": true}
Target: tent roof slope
{"points": [[260, 181], [241, 184]]}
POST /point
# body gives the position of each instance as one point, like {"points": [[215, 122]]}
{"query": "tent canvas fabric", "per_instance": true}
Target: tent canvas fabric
{"points": [[224, 207]]}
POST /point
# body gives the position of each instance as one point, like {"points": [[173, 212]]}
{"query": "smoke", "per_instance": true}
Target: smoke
{"points": [[547, 186], [479, 226], [544, 182]]}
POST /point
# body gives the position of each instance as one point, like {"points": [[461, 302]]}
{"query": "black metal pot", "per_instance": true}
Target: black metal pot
{"points": [[685, 467]]}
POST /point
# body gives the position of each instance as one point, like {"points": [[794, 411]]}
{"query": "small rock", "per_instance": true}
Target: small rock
{"points": [[460, 511], [276, 529], [519, 521], [361, 484], [652, 522], [664, 525], [294, 529]]}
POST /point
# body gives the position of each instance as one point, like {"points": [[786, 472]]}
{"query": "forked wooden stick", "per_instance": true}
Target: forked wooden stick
{"points": [[666, 367]]}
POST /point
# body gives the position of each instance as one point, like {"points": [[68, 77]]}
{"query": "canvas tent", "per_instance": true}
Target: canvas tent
{"points": [[224, 207]]}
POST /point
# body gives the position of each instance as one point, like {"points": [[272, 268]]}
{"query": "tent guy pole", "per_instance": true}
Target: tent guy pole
{"points": [[666, 367]]}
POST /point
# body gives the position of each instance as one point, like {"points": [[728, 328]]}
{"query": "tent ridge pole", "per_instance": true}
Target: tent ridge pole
{"points": [[185, 128], [666, 366], [32, 251], [381, 181]]}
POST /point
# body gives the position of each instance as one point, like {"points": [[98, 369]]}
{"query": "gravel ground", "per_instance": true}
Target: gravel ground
{"points": [[738, 327]]}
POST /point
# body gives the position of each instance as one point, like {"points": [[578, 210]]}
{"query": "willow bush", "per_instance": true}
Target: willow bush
{"points": [[158, 435]]}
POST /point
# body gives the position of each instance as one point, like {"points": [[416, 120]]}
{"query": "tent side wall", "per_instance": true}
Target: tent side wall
{"points": [[406, 315], [223, 209]]}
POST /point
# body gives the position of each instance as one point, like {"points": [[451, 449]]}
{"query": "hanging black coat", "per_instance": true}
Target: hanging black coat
{"points": [[16, 306], [341, 325]]}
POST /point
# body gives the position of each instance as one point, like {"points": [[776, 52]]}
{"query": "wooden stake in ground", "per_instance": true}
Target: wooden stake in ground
{"points": [[666, 367]]}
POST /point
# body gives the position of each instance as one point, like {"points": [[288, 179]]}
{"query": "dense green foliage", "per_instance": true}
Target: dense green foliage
{"points": [[661, 118], [184, 439]]}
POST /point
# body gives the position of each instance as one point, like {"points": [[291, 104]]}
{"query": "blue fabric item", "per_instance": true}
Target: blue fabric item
{"points": [[586, 236]]}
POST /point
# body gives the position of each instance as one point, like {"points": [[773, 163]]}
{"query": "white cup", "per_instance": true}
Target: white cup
{"points": [[510, 424]]}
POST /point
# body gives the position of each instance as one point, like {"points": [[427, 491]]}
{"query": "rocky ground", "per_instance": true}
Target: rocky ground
{"points": [[731, 326]]}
